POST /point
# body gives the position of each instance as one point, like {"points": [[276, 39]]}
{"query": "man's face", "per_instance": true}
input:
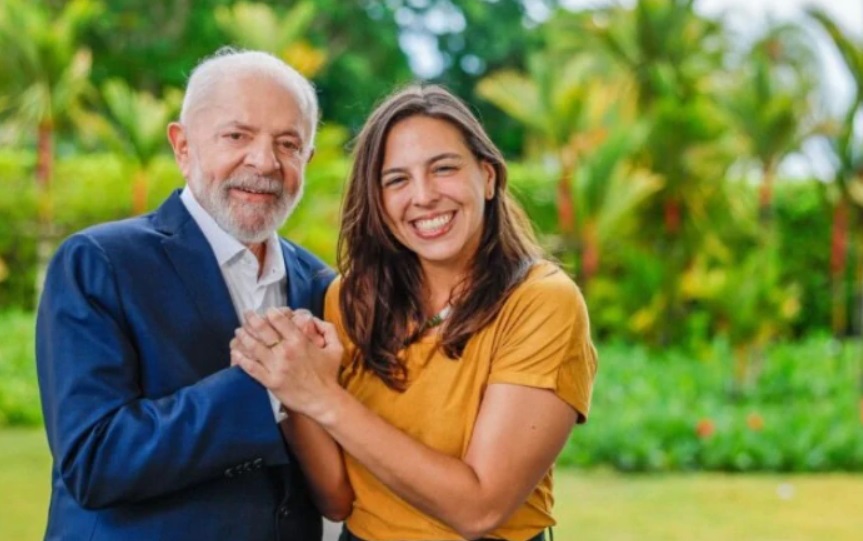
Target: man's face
{"points": [[243, 153]]}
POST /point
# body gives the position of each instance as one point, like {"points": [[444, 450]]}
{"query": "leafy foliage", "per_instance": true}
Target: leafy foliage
{"points": [[48, 72], [350, 48], [634, 122], [673, 412], [19, 393]]}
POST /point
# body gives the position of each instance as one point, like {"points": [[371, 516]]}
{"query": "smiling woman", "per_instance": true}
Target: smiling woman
{"points": [[434, 191], [455, 361]]}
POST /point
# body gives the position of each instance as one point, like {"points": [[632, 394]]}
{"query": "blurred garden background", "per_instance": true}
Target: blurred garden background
{"points": [[703, 184]]}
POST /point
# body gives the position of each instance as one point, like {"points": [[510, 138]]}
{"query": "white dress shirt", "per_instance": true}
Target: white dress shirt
{"points": [[240, 270]]}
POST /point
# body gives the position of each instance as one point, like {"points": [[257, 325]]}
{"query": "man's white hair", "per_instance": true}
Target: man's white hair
{"points": [[229, 62]]}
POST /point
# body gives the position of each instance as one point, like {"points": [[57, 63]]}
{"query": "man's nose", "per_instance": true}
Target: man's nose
{"points": [[262, 157]]}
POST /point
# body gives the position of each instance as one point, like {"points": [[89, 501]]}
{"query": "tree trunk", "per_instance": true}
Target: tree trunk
{"points": [[675, 257], [45, 170], [565, 206], [765, 193], [671, 215], [589, 254], [139, 191], [45, 218], [858, 281], [838, 260]]}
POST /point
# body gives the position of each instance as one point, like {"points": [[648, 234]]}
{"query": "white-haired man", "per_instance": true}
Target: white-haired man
{"points": [[153, 434]]}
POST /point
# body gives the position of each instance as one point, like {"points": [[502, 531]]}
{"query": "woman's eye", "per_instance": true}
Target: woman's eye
{"points": [[392, 181], [444, 169]]}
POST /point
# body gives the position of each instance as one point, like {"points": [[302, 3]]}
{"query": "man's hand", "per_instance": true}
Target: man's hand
{"points": [[277, 351], [259, 328]]}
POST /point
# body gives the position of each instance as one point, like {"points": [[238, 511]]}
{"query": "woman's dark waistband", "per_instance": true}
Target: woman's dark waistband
{"points": [[348, 536]]}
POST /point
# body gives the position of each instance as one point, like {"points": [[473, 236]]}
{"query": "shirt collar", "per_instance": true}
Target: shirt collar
{"points": [[228, 249]]}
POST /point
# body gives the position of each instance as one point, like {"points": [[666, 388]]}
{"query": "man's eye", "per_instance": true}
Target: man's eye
{"points": [[234, 136]]}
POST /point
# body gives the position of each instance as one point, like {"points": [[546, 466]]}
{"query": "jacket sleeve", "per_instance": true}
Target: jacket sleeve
{"points": [[110, 443]]}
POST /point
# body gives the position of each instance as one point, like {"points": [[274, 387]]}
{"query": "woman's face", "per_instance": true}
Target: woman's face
{"points": [[433, 191]]}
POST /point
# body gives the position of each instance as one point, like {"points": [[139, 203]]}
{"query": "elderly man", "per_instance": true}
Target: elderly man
{"points": [[153, 434]]}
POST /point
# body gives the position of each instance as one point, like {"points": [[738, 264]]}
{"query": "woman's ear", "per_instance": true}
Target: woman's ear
{"points": [[490, 179]]}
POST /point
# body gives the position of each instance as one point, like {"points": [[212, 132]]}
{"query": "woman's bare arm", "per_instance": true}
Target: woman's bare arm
{"points": [[323, 465], [519, 432]]}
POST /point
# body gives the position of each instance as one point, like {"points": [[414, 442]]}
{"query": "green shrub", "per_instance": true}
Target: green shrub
{"points": [[17, 229], [19, 393], [804, 218], [671, 412]]}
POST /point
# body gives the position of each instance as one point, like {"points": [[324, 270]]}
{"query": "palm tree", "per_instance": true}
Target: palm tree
{"points": [[610, 187], [562, 107], [48, 72], [671, 56], [46, 75], [772, 103], [134, 126], [258, 26], [848, 179]]}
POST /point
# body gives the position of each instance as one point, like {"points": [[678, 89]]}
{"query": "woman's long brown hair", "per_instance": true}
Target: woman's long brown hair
{"points": [[381, 292]]}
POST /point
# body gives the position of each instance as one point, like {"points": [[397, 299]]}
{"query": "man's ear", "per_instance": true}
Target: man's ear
{"points": [[180, 143]]}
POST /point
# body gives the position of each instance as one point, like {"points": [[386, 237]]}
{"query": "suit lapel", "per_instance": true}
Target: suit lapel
{"points": [[196, 265], [298, 288]]}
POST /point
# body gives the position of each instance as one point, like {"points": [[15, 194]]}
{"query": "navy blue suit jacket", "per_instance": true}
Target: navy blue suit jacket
{"points": [[153, 435]]}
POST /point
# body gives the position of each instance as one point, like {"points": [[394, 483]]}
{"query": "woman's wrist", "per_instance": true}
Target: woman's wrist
{"points": [[327, 409]]}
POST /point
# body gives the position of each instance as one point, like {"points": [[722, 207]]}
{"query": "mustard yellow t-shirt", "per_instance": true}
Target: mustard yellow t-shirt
{"points": [[540, 338]]}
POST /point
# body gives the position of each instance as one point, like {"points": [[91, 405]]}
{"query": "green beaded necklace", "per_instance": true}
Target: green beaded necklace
{"points": [[436, 319]]}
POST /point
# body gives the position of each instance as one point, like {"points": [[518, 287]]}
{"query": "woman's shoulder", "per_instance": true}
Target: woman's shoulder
{"points": [[547, 281], [548, 294]]}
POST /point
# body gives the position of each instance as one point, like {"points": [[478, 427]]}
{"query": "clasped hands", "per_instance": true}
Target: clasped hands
{"points": [[293, 354]]}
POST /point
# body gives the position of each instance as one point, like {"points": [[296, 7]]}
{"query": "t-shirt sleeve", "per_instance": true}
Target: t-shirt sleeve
{"points": [[333, 314], [543, 340]]}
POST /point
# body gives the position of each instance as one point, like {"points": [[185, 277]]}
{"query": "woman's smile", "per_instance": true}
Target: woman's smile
{"points": [[433, 226]]}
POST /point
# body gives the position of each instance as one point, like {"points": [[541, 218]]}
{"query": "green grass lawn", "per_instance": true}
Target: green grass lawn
{"points": [[592, 506], [707, 507], [25, 469]]}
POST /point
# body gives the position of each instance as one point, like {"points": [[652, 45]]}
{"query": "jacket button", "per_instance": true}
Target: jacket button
{"points": [[258, 462], [284, 511], [229, 472]]}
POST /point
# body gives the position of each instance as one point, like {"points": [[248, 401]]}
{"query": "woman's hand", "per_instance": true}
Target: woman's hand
{"points": [[301, 317], [295, 356]]}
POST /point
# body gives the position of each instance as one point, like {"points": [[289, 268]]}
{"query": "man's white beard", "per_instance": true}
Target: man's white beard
{"points": [[247, 222]]}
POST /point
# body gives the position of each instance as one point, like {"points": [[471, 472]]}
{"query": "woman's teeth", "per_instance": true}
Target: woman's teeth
{"points": [[432, 224]]}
